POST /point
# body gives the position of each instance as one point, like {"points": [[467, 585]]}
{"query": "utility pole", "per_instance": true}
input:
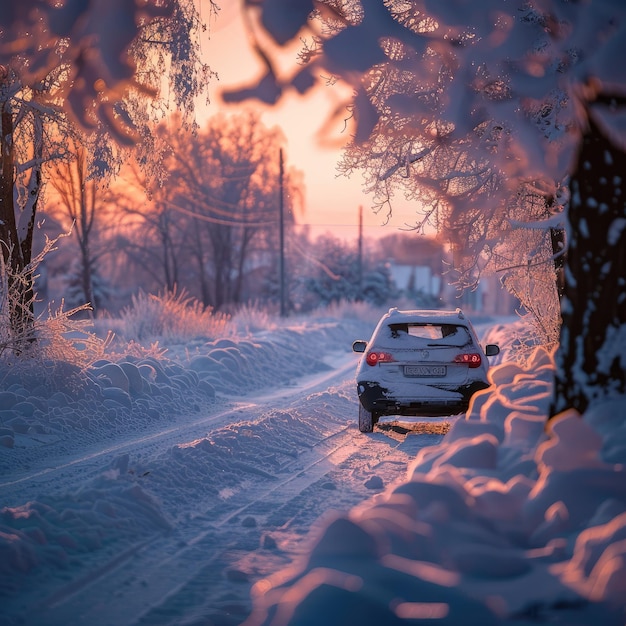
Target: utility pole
{"points": [[360, 252], [283, 297]]}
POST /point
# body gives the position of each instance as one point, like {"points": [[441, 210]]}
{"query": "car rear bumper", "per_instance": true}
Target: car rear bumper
{"points": [[379, 401]]}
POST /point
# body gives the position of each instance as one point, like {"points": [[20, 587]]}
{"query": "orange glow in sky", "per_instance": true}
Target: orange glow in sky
{"points": [[331, 201]]}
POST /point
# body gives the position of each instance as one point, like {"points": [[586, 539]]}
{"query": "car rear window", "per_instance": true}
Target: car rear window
{"points": [[431, 334]]}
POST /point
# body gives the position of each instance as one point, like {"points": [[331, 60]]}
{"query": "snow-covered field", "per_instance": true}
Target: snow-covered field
{"points": [[227, 482]]}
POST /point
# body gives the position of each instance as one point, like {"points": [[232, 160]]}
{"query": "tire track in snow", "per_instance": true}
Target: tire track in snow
{"points": [[218, 592], [149, 579]]}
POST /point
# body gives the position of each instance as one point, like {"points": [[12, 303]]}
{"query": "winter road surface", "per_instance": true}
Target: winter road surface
{"points": [[242, 489]]}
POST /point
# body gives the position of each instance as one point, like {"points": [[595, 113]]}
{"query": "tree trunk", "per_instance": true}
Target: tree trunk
{"points": [[221, 240], [86, 275], [246, 236], [86, 211], [16, 254], [590, 359], [557, 239], [198, 253], [8, 229], [169, 256]]}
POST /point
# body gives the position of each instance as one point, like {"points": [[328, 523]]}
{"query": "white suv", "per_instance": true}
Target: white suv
{"points": [[419, 363]]}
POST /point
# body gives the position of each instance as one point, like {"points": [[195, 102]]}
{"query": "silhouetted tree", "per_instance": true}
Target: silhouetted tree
{"points": [[224, 186]]}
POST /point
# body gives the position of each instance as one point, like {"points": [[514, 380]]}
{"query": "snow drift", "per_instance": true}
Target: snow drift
{"points": [[505, 521]]}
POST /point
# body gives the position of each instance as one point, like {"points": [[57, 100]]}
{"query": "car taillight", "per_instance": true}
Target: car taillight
{"points": [[373, 358], [471, 360]]}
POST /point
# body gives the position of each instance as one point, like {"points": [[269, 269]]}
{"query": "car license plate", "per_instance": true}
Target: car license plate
{"points": [[424, 370]]}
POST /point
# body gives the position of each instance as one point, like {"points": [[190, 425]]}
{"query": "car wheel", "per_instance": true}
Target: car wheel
{"points": [[366, 420]]}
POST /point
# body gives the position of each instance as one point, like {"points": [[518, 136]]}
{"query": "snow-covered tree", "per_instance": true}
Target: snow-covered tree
{"points": [[101, 52], [467, 105], [210, 223], [335, 274], [225, 182], [31, 125], [106, 69]]}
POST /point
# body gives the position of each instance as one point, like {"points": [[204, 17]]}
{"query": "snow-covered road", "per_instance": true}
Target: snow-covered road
{"points": [[230, 496], [228, 483]]}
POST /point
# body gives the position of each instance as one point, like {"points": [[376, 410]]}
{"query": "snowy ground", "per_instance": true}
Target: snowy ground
{"points": [[231, 478], [161, 491]]}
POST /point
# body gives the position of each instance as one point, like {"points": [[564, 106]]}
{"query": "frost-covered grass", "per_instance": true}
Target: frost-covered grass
{"points": [[174, 319], [252, 318], [166, 326], [168, 316]]}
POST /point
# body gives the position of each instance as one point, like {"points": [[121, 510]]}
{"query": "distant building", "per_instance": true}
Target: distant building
{"points": [[419, 266]]}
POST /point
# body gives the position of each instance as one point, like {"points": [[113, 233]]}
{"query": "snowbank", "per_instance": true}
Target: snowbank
{"points": [[51, 402], [502, 522]]}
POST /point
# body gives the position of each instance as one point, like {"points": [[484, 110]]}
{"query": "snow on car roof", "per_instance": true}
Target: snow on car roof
{"points": [[431, 316]]}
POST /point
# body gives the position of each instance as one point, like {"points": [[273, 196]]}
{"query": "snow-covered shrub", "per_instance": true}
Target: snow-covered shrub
{"points": [[338, 274], [376, 287], [16, 301], [251, 318], [536, 290], [61, 337], [168, 315], [518, 341], [58, 358]]}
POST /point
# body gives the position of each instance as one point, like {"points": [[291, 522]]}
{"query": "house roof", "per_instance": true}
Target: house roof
{"points": [[412, 250]]}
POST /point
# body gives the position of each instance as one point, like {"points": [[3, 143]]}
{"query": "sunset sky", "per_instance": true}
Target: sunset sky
{"points": [[332, 202]]}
